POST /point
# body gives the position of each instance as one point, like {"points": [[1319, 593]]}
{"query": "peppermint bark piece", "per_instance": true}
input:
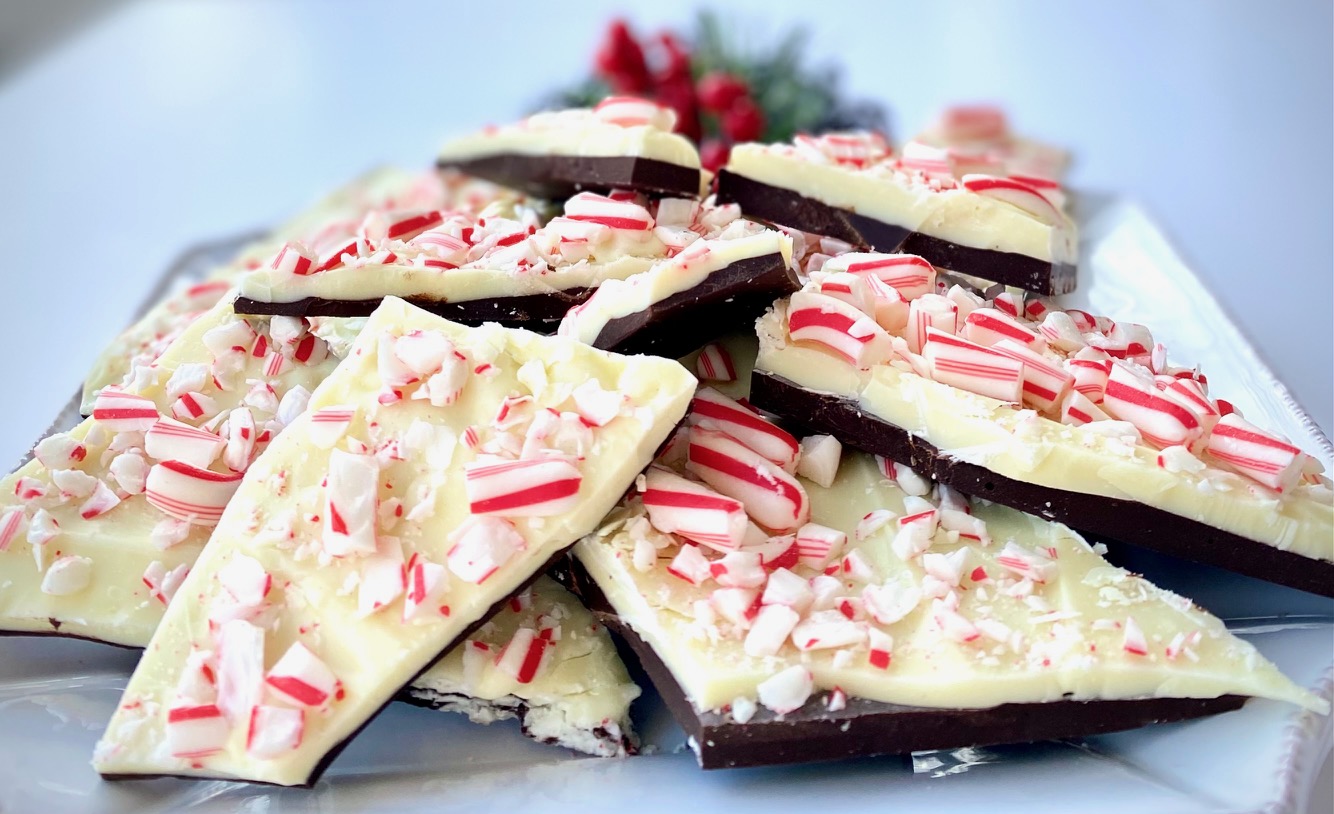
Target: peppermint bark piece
{"points": [[703, 291], [545, 660], [385, 188], [622, 143], [964, 218], [98, 530], [897, 618], [505, 264], [436, 471], [1062, 413]]}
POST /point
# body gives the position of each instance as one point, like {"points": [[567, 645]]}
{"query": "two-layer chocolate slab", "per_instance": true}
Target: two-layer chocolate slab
{"points": [[622, 143], [385, 189], [880, 615], [852, 188], [1062, 413], [436, 471]]}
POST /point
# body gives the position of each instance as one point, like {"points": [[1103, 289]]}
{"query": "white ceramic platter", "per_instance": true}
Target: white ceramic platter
{"points": [[56, 695]]}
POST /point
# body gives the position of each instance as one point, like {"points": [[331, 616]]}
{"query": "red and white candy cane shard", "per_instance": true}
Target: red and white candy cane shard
{"points": [[443, 388], [393, 372], [194, 407], [274, 731], [1192, 395], [881, 648], [1260, 456], [694, 511], [423, 352], [632, 111], [1091, 369], [406, 227], [1083, 320], [715, 411], [589, 207], [1137, 339], [26, 489], [952, 623], [1009, 303], [245, 580], [819, 545], [524, 655], [1132, 397], [12, 524], [775, 552], [739, 569], [1025, 563], [301, 678], [425, 582], [170, 440], [690, 565], [124, 412], [1036, 309], [968, 366], [973, 122], [529, 488], [196, 731], [891, 307], [240, 668], [850, 288], [480, 546], [101, 501], [328, 424], [987, 326], [189, 493], [910, 275], [837, 327], [1134, 641], [340, 251], [1015, 193], [769, 630], [771, 496], [930, 312], [786, 691], [1061, 332], [293, 258], [598, 406], [1076, 409], [161, 583], [351, 500], [823, 630], [1045, 381], [714, 364], [736, 605]]}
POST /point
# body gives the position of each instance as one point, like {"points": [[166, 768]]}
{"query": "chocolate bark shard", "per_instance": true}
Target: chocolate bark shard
{"points": [[1105, 517], [726, 300], [792, 209], [320, 557], [535, 312], [556, 177], [866, 728]]}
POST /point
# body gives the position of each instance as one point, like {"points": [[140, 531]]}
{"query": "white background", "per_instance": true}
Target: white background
{"points": [[169, 123]]}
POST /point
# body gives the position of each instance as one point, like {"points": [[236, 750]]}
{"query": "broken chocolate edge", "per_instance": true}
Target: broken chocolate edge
{"points": [[869, 728], [794, 210], [539, 312], [558, 177], [726, 299], [1125, 521]]}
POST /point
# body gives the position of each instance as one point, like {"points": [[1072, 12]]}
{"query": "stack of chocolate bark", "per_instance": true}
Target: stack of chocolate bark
{"points": [[336, 473]]}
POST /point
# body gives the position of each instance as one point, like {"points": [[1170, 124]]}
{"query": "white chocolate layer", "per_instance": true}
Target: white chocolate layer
{"points": [[575, 132], [890, 196], [275, 519], [1027, 447], [117, 606], [1042, 641]]}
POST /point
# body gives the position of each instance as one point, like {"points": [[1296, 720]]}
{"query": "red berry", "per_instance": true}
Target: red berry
{"points": [[620, 60], [679, 95], [713, 154], [676, 62], [744, 121], [717, 91]]}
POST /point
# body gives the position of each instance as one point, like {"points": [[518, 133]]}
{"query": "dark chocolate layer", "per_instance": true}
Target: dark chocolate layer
{"points": [[557, 177], [1126, 521], [536, 312], [792, 209], [728, 300], [864, 728]]}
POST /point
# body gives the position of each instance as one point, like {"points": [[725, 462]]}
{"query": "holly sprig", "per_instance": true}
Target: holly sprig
{"points": [[722, 92]]}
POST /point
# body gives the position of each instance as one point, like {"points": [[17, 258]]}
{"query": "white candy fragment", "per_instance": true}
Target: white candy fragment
{"points": [[480, 546], [351, 500], [820, 456], [301, 678], [786, 691], [67, 575]]}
